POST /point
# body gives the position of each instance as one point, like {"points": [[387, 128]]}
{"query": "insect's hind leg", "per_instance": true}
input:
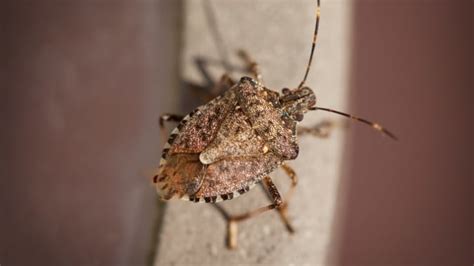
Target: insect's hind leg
{"points": [[322, 129], [250, 65], [233, 220]]}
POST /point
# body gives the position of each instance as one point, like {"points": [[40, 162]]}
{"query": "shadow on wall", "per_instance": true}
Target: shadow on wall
{"points": [[409, 203]]}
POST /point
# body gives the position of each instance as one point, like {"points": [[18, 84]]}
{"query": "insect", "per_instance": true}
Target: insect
{"points": [[225, 147]]}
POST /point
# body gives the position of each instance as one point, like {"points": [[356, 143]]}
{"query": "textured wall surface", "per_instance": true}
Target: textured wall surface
{"points": [[278, 35]]}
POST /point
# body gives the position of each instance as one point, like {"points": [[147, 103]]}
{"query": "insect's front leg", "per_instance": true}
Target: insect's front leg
{"points": [[321, 130], [225, 83], [250, 65]]}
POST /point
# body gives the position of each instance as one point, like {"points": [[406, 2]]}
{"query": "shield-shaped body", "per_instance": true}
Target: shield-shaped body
{"points": [[223, 148]]}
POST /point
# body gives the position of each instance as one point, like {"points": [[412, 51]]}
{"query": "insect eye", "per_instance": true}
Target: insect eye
{"points": [[285, 91], [299, 117]]}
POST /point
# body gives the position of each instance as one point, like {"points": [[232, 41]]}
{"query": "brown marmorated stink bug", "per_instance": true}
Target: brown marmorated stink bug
{"points": [[226, 146]]}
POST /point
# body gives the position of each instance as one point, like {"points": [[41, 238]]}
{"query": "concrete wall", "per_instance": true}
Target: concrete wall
{"points": [[278, 35]]}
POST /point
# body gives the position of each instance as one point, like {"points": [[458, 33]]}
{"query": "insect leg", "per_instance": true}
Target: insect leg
{"points": [[234, 219], [294, 180], [251, 65], [283, 210], [169, 117], [223, 85], [165, 118], [322, 129]]}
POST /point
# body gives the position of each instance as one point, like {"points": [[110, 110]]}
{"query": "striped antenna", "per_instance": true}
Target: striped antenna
{"points": [[365, 121], [313, 45]]}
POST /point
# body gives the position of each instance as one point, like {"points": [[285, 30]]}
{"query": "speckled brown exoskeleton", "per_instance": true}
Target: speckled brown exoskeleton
{"points": [[226, 146]]}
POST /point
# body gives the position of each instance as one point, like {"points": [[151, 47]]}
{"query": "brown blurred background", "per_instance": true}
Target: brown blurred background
{"points": [[411, 69], [83, 84]]}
